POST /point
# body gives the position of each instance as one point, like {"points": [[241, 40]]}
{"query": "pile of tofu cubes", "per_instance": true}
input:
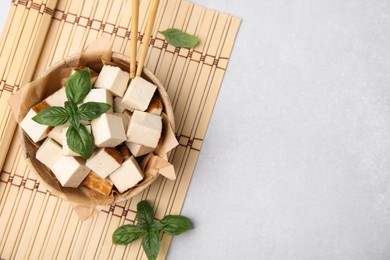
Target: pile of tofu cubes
{"points": [[130, 129]]}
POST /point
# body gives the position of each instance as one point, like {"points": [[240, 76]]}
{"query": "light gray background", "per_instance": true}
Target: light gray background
{"points": [[296, 161]]}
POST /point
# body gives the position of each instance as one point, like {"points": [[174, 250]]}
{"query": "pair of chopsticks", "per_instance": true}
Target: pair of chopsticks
{"points": [[134, 70]]}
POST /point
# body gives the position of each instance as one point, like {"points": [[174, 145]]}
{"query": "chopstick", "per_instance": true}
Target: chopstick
{"points": [[133, 38], [147, 36]]}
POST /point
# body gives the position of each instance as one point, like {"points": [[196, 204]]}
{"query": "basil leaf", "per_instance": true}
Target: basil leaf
{"points": [[145, 213], [151, 244], [157, 226], [178, 38], [126, 234], [175, 225], [74, 117], [92, 110], [80, 141], [78, 85], [52, 116]]}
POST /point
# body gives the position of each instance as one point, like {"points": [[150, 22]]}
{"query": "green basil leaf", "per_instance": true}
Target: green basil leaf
{"points": [[175, 225], [178, 38], [74, 117], [78, 85], [92, 110], [145, 213], [151, 244], [52, 116], [157, 226], [126, 234], [80, 141]]}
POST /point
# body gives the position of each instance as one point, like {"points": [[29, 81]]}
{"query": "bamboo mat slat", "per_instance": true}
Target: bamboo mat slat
{"points": [[38, 225]]}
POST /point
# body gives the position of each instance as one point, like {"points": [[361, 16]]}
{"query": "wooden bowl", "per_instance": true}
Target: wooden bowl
{"points": [[46, 177]]}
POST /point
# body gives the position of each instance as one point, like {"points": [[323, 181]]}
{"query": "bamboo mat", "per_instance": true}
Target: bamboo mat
{"points": [[37, 225]]}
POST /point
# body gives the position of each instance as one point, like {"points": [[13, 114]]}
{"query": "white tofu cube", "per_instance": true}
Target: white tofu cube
{"points": [[100, 95], [155, 106], [118, 108], [125, 119], [65, 148], [127, 176], [138, 150], [70, 171], [56, 133], [108, 130], [49, 153], [128, 113], [35, 131], [138, 94], [105, 161], [144, 128], [113, 79], [58, 98]]}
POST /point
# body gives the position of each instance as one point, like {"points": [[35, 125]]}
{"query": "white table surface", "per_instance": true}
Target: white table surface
{"points": [[296, 161]]}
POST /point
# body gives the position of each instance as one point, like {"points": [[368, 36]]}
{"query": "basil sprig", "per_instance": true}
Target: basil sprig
{"points": [[78, 138], [149, 229], [177, 38]]}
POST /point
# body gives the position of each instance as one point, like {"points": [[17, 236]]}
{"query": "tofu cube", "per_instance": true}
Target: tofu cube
{"points": [[56, 133], [138, 150], [58, 98], [113, 79], [124, 150], [155, 106], [70, 171], [49, 153], [108, 130], [144, 129], [125, 119], [105, 161], [127, 176], [94, 74], [138, 94], [65, 148], [100, 95], [118, 108], [35, 131], [128, 113], [100, 185]]}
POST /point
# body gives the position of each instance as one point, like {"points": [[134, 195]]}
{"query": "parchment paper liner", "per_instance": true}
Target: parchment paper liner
{"points": [[84, 200]]}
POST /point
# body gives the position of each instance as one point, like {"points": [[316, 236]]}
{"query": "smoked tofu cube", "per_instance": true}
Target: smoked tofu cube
{"points": [[58, 98], [144, 129], [155, 106], [138, 94], [118, 108], [35, 131], [108, 130], [124, 150], [113, 79], [105, 161], [70, 171], [65, 148], [138, 150], [127, 176], [100, 95], [49, 153], [100, 185]]}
